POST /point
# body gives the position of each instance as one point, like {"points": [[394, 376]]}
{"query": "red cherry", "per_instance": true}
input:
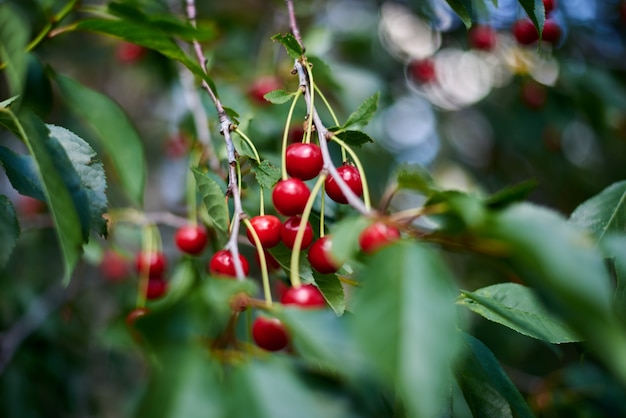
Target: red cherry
{"points": [[176, 146], [320, 256], [154, 262], [156, 288], [129, 53], [290, 229], [303, 161], [113, 266], [423, 71], [261, 86], [296, 133], [549, 6], [135, 314], [290, 196], [269, 333], [377, 235], [267, 227], [307, 296], [525, 32], [191, 239], [482, 37], [351, 176], [551, 31], [622, 11], [222, 264], [533, 94], [28, 206]]}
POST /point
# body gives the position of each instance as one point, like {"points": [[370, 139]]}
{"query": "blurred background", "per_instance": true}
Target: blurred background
{"points": [[480, 112]]}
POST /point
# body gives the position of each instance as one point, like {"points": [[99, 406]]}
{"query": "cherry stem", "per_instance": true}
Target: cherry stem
{"points": [[51, 24], [225, 127], [250, 144], [322, 208], [359, 166], [309, 126], [283, 154], [261, 201], [259, 248], [297, 245]]}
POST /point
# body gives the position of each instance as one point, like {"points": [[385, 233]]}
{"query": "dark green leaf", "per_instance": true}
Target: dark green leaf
{"points": [[332, 289], [535, 11], [294, 50], [115, 133], [279, 96], [613, 247], [267, 175], [354, 138], [518, 308], [89, 170], [463, 9], [511, 194], [365, 112], [603, 213], [415, 177], [22, 173], [405, 321], [9, 229], [487, 389], [345, 237], [215, 201], [13, 40]]}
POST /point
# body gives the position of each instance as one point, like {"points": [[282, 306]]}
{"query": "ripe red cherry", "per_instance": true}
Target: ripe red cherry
{"points": [[551, 31], [290, 196], [290, 229], [482, 37], [525, 32], [549, 5], [351, 176], [376, 236], [223, 264], [261, 86], [113, 266], [303, 161], [154, 262], [423, 71], [320, 257], [269, 333], [157, 287], [129, 53], [191, 239], [135, 314], [267, 227], [307, 296], [533, 94]]}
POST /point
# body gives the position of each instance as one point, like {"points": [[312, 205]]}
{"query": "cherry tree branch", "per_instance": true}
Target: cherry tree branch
{"points": [[293, 25], [226, 126]]}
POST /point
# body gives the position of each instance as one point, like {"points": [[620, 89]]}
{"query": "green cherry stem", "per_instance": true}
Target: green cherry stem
{"points": [[294, 276], [250, 144], [259, 249], [309, 128], [359, 166], [322, 207], [261, 201], [283, 154]]}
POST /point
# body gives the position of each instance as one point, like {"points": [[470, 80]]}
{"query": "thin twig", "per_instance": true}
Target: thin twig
{"points": [[293, 24]]}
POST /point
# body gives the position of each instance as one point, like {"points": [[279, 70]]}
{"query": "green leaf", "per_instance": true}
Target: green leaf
{"points": [[9, 229], [487, 389], [354, 138], [461, 211], [294, 50], [279, 96], [282, 254], [463, 9], [217, 294], [232, 114], [66, 218], [613, 247], [535, 11], [332, 289], [14, 34], [604, 212], [511, 194], [215, 201], [22, 173], [364, 113], [89, 170], [8, 102], [117, 137], [267, 175], [345, 237], [415, 177], [405, 321], [517, 307]]}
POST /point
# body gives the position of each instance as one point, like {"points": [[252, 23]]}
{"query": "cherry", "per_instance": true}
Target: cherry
{"points": [[296, 133], [154, 262], [222, 264], [290, 196], [533, 94], [303, 161], [261, 86], [129, 53], [482, 37], [525, 32], [28, 206], [622, 11], [290, 229], [549, 6], [191, 239], [135, 314], [269, 333], [320, 257], [376, 236], [307, 296], [267, 227], [351, 176], [113, 266], [423, 71], [176, 146], [551, 31], [156, 288]]}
